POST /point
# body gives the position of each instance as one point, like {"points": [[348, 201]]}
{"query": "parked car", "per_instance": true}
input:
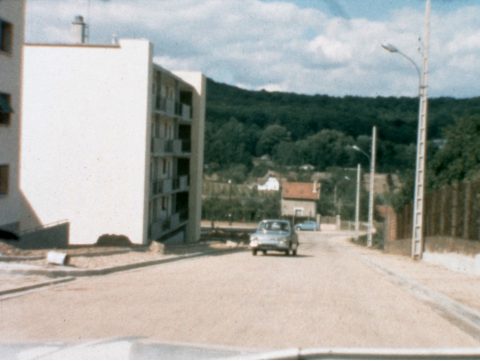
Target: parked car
{"points": [[307, 226], [274, 235]]}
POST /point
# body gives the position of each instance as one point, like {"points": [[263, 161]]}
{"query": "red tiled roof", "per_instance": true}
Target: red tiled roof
{"points": [[299, 190]]}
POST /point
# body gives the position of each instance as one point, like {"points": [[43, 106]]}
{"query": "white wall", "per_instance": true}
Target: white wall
{"points": [[85, 137], [198, 82], [272, 184], [10, 65]]}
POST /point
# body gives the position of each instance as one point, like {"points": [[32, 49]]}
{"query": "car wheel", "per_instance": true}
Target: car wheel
{"points": [[287, 252], [294, 252], [254, 252], [264, 252]]}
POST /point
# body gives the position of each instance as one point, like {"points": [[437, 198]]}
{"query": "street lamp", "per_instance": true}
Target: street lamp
{"points": [[372, 183], [418, 201], [357, 202]]}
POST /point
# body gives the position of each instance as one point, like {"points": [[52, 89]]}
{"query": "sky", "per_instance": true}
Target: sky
{"points": [[328, 47]]}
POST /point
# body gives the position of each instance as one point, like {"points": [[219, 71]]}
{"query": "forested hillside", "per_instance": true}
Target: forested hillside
{"points": [[298, 129]]}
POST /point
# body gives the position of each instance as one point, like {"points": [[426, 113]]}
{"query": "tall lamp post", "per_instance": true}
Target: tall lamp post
{"points": [[419, 201], [372, 184], [357, 201]]}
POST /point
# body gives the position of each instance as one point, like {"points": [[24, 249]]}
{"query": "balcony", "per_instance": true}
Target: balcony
{"points": [[161, 186], [183, 186], [156, 229], [158, 145], [180, 183], [186, 112], [170, 107], [165, 105], [183, 213], [167, 146], [186, 146], [166, 224], [161, 104], [177, 146], [174, 221], [183, 111]]}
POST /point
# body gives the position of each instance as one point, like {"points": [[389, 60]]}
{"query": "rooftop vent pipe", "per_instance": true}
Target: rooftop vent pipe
{"points": [[79, 30]]}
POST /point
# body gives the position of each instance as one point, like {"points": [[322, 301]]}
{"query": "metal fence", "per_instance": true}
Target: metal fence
{"points": [[452, 211]]}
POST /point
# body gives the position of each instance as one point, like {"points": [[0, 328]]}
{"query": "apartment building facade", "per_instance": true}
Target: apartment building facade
{"points": [[11, 41], [112, 143]]}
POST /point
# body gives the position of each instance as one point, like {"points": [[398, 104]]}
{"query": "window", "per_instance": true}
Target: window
{"points": [[3, 179], [5, 109], [6, 36]]}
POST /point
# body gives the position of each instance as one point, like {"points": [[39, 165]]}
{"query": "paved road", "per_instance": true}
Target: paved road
{"points": [[332, 295]]}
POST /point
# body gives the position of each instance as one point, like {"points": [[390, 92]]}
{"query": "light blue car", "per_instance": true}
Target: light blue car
{"points": [[307, 226]]}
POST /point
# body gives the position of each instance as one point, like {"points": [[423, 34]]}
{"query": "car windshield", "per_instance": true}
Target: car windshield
{"points": [[273, 226]]}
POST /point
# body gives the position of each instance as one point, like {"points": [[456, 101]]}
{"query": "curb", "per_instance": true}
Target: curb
{"points": [[92, 254], [109, 270], [20, 258], [35, 285]]}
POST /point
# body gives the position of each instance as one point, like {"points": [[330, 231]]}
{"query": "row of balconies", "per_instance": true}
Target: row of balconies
{"points": [[166, 224], [169, 185], [172, 108], [171, 146]]}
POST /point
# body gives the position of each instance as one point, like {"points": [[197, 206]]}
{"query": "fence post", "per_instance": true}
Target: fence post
{"points": [[441, 210], [453, 221]]}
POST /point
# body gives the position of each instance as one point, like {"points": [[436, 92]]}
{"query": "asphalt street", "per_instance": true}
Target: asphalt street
{"points": [[333, 294]]}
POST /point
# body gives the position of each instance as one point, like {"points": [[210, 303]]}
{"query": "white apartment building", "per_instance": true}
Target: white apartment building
{"points": [[11, 41], [112, 143]]}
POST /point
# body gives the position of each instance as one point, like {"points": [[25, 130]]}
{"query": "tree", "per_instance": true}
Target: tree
{"points": [[270, 138], [228, 144], [328, 148], [459, 159]]}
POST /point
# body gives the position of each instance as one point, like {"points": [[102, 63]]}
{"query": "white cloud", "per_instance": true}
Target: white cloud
{"points": [[278, 45]]}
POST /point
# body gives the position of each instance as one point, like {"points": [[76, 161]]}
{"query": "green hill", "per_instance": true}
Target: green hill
{"points": [[296, 129]]}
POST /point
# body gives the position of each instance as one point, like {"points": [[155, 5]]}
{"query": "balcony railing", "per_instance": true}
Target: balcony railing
{"points": [[162, 186], [174, 221], [167, 223], [160, 146], [173, 108], [186, 112], [170, 107], [180, 183], [161, 104], [183, 182]]}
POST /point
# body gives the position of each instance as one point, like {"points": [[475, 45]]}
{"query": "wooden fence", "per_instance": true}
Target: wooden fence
{"points": [[452, 211]]}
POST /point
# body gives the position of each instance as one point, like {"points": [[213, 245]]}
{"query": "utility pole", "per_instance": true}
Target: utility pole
{"points": [[372, 187], [357, 201], [419, 201]]}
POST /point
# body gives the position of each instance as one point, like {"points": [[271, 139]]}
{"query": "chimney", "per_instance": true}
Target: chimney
{"points": [[79, 30]]}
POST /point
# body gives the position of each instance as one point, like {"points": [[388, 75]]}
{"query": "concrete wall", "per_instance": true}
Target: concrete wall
{"points": [[10, 79], [86, 138], [55, 236], [288, 207], [453, 253], [198, 81]]}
